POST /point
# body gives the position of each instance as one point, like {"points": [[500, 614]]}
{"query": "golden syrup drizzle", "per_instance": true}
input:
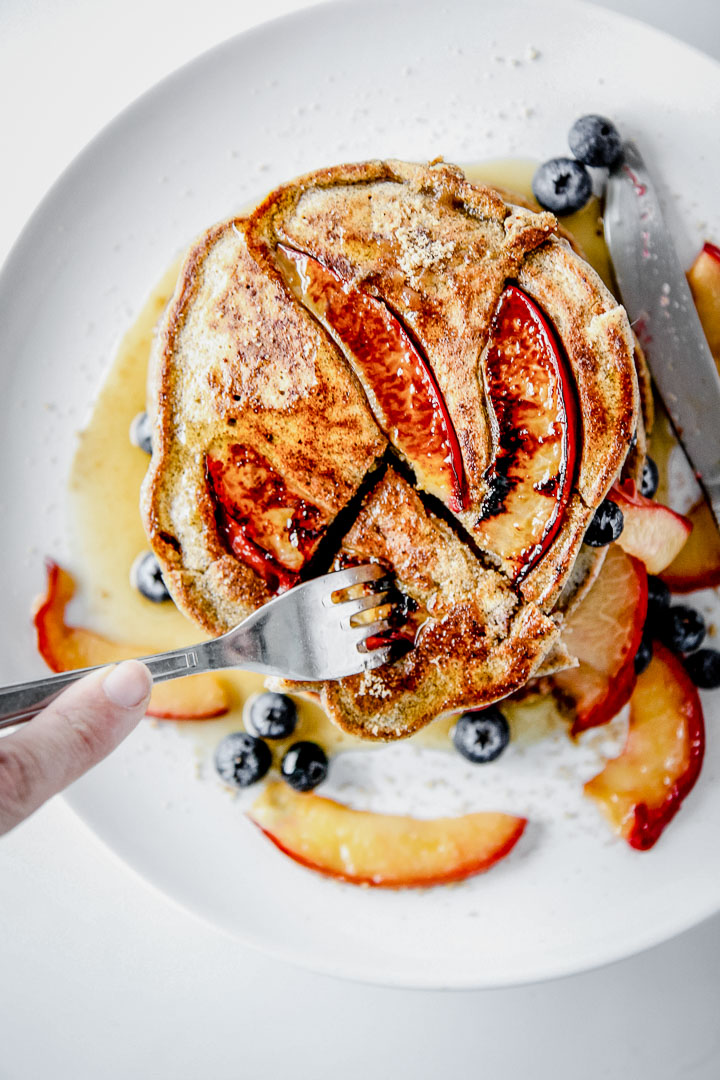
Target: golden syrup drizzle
{"points": [[107, 472]]}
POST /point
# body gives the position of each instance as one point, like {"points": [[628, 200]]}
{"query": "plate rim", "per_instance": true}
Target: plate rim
{"points": [[108, 131]]}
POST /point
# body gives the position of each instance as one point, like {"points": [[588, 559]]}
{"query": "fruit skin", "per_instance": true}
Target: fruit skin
{"points": [[704, 280], [141, 433], [481, 735], [651, 532], [146, 577], [604, 633], [703, 667], [404, 393], [650, 479], [66, 648], [304, 766], [681, 628], [697, 566], [382, 850], [562, 185], [595, 140], [272, 716], [606, 525], [641, 790], [242, 759], [536, 412]]}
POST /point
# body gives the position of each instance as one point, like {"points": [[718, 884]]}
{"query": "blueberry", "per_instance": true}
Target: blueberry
{"points": [[304, 766], [141, 432], [650, 478], [146, 577], [562, 185], [658, 595], [681, 628], [273, 716], [704, 668], [595, 140], [242, 759], [481, 735], [606, 525], [644, 654]]}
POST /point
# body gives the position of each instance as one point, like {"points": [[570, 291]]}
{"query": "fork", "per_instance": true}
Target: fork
{"points": [[310, 633]]}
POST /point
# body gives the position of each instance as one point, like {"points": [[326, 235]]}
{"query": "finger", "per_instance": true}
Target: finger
{"points": [[75, 732]]}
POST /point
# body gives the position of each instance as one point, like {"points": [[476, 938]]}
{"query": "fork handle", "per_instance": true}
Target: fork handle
{"points": [[24, 700]]}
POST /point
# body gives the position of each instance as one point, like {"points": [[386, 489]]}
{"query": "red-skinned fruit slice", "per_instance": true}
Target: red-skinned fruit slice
{"points": [[698, 564], [400, 386], [267, 526], [387, 851], [704, 279], [531, 388], [641, 790], [66, 648], [604, 633], [651, 532]]}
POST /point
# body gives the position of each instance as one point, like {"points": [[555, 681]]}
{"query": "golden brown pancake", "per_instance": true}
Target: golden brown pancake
{"points": [[274, 450]]}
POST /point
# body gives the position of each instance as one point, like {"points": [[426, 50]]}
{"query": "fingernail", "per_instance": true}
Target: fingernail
{"points": [[128, 684]]}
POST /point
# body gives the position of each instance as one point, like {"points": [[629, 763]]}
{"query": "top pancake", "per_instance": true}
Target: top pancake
{"points": [[240, 362]]}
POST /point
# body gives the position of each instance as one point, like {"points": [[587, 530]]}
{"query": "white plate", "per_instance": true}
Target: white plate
{"points": [[331, 84]]}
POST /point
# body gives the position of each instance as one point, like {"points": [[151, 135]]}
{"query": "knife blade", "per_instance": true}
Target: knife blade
{"points": [[657, 298]]}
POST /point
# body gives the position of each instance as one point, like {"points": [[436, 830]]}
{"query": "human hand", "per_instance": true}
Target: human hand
{"points": [[75, 732]]}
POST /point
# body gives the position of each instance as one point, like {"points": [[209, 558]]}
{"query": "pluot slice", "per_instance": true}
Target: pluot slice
{"points": [[384, 850], [400, 385], [704, 280], [651, 532], [531, 389], [698, 564], [66, 648], [641, 790], [604, 633], [267, 526]]}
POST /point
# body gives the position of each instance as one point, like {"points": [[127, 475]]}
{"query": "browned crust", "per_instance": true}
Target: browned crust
{"points": [[352, 705], [633, 467]]}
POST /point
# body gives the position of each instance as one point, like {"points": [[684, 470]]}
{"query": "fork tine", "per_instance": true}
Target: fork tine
{"points": [[350, 608], [371, 630], [341, 580], [375, 658], [303, 634]]}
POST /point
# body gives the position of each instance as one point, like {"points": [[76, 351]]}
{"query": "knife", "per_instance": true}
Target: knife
{"points": [[660, 306]]}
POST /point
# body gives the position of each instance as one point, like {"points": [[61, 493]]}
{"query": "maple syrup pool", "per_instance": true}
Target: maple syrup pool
{"points": [[105, 544]]}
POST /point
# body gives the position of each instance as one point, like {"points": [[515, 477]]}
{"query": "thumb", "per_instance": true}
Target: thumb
{"points": [[75, 732]]}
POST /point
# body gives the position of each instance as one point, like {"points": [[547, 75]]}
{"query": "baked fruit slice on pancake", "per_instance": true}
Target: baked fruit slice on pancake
{"points": [[393, 315]]}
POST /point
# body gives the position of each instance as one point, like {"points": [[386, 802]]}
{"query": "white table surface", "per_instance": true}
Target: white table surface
{"points": [[100, 976]]}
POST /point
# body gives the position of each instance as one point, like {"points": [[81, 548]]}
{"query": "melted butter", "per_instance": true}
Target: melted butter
{"points": [[107, 533]]}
